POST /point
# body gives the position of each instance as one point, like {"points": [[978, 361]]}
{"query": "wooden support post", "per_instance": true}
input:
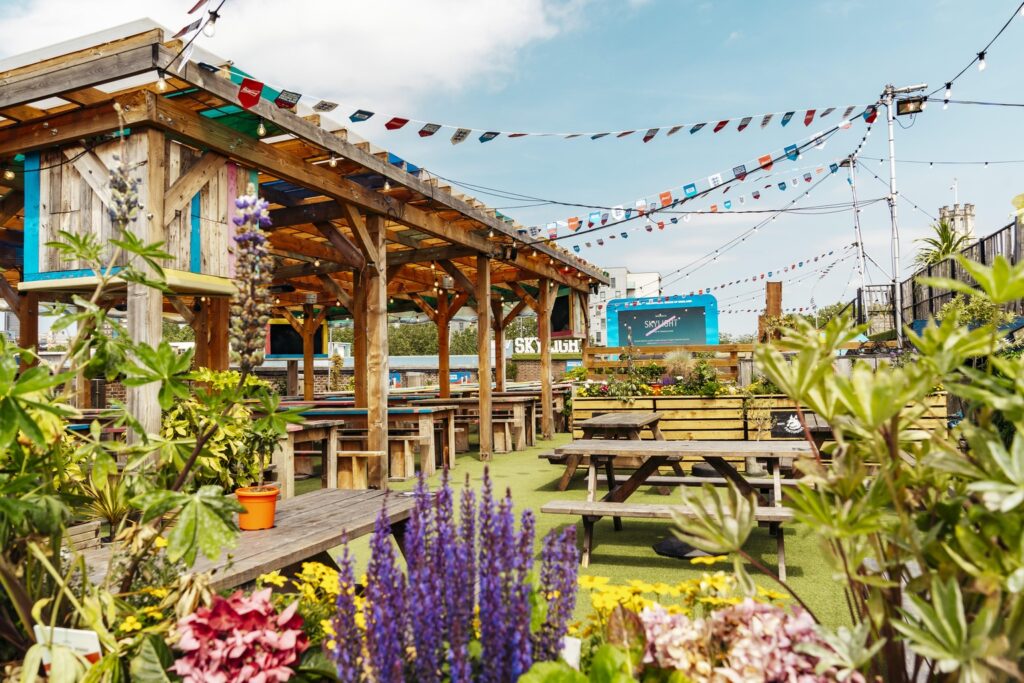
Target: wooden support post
{"points": [[218, 325], [483, 335], [308, 372], [28, 321], [772, 310], [201, 358], [497, 322], [359, 355], [291, 382], [444, 360], [547, 301], [377, 341], [145, 304]]}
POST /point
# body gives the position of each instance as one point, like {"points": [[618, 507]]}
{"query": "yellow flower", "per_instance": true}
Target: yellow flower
{"points": [[708, 559], [591, 582], [274, 578], [641, 586], [769, 594], [160, 542], [153, 612], [131, 623], [328, 627], [158, 593]]}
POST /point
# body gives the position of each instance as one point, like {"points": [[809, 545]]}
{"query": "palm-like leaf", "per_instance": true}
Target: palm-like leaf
{"points": [[945, 243]]}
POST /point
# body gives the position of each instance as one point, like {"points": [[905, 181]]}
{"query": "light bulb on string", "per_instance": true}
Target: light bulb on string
{"points": [[8, 174], [949, 90], [316, 263], [981, 61], [945, 105], [333, 162], [261, 129], [210, 27], [387, 186], [161, 82]]}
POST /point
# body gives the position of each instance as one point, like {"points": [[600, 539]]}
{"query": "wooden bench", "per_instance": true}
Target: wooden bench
{"points": [[83, 536], [355, 468], [593, 511]]}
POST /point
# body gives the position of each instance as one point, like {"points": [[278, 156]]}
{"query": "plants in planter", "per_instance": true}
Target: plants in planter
{"points": [[923, 529], [173, 515], [472, 606]]}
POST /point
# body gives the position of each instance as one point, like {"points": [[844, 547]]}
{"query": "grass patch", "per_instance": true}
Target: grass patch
{"points": [[627, 554]]}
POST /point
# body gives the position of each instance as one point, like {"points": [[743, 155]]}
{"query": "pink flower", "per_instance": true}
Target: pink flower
{"points": [[239, 639]]}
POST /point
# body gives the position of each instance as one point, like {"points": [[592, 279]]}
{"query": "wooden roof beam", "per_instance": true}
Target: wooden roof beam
{"points": [[463, 282], [427, 254], [376, 164]]}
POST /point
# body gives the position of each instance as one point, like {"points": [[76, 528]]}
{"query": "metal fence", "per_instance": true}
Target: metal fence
{"points": [[920, 302]]}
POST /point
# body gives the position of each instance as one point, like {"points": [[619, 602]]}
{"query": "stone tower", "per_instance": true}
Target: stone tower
{"points": [[960, 217]]}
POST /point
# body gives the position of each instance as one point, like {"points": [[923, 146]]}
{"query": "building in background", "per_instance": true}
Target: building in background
{"points": [[960, 217], [624, 285]]}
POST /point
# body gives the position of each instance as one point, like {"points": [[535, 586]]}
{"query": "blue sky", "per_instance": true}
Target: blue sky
{"points": [[606, 65]]}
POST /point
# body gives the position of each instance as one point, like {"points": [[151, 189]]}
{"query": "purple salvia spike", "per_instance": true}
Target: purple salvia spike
{"points": [[348, 642], [386, 608]]}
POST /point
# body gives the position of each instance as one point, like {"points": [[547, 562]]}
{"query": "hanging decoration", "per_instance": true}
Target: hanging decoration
{"points": [[428, 128]]}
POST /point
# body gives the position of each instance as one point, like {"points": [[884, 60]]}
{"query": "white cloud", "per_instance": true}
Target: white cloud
{"points": [[384, 54]]}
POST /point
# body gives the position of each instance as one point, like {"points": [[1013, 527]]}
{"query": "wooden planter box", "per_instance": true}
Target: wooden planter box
{"points": [[721, 418]]}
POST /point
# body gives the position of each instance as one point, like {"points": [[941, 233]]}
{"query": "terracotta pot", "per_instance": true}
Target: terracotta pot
{"points": [[260, 503]]}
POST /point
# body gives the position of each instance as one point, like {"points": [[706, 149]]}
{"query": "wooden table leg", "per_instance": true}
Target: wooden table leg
{"points": [[642, 473], [730, 473], [571, 463], [331, 459], [519, 425], [449, 447], [426, 445], [284, 461], [609, 473], [656, 431]]}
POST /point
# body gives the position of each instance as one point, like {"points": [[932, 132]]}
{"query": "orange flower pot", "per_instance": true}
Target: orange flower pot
{"points": [[260, 503]]}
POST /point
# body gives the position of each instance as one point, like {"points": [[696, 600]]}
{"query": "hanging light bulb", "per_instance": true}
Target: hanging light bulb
{"points": [[945, 105], [333, 162], [210, 27], [490, 233], [981, 61], [261, 129], [432, 266], [387, 186], [161, 82], [8, 174], [316, 263], [949, 90]]}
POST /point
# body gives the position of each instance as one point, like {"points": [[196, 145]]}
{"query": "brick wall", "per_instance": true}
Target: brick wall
{"points": [[529, 369]]}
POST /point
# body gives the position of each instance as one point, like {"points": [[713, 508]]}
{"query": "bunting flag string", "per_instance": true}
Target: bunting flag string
{"points": [[668, 199], [460, 133], [735, 304]]}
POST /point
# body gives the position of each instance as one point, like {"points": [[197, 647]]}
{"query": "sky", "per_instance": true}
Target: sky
{"points": [[600, 65]]}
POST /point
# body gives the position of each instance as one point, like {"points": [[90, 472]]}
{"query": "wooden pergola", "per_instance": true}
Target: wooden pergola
{"points": [[357, 231]]}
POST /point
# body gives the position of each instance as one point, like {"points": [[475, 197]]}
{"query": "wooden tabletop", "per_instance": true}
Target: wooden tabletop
{"points": [[712, 449], [475, 401], [304, 526], [392, 410], [634, 420]]}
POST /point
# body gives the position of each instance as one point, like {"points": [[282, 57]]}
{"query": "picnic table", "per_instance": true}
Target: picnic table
{"points": [[423, 420], [616, 426], [622, 425], [523, 410], [306, 528], [649, 456], [310, 431]]}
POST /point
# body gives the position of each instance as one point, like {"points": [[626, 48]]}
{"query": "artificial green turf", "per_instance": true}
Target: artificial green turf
{"points": [[627, 554]]}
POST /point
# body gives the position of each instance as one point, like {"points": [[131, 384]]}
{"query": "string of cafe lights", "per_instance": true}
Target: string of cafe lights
{"points": [[959, 162], [979, 59]]}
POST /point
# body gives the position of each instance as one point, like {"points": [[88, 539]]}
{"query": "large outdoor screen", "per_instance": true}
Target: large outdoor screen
{"points": [[284, 342], [663, 321]]}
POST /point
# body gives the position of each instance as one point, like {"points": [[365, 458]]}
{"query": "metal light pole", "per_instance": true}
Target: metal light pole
{"points": [[850, 163], [888, 99]]}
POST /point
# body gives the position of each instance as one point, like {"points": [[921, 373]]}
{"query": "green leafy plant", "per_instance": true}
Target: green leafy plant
{"points": [[943, 244], [923, 528]]}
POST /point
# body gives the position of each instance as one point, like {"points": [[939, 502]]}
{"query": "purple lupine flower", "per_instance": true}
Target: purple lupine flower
{"points": [[559, 562], [252, 302], [424, 596], [348, 641], [461, 591], [520, 644], [385, 608], [491, 600]]}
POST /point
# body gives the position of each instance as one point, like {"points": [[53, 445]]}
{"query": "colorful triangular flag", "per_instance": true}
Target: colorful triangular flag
{"points": [[721, 124], [395, 123], [787, 116], [697, 127], [325, 106], [649, 135], [690, 190], [792, 153], [740, 172], [808, 117], [460, 135], [489, 135], [249, 91], [766, 120], [360, 115], [744, 123], [429, 129], [287, 99], [766, 162]]}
